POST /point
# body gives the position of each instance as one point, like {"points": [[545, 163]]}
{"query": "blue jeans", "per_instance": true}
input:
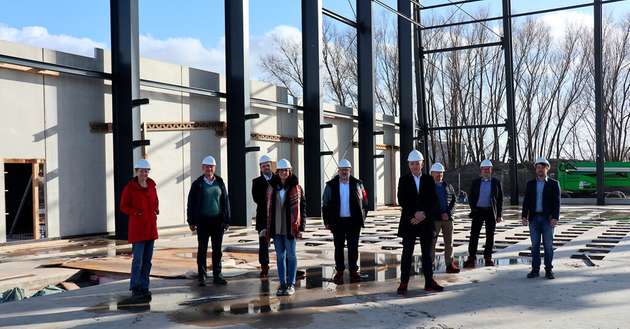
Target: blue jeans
{"points": [[141, 265], [286, 259], [541, 226]]}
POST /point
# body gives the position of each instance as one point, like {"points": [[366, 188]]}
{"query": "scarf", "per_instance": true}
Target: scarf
{"points": [[295, 196]]}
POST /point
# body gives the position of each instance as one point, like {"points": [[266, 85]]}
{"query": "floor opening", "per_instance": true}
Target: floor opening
{"points": [[24, 200]]}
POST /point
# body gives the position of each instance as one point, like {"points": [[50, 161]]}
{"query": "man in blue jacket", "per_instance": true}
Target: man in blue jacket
{"points": [[443, 216], [541, 209], [486, 208]]}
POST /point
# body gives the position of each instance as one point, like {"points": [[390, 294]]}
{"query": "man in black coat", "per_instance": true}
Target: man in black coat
{"points": [[417, 197], [486, 207], [259, 193], [208, 212], [344, 207], [541, 209]]}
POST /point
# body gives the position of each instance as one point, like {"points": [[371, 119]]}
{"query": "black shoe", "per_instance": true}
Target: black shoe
{"points": [[282, 291], [533, 274], [201, 283], [146, 292], [219, 280], [290, 290], [549, 275]]}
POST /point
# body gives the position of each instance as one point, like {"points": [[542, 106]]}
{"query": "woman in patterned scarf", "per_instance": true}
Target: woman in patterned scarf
{"points": [[285, 223]]}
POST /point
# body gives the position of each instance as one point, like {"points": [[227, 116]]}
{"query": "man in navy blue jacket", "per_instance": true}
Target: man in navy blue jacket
{"points": [[541, 209]]}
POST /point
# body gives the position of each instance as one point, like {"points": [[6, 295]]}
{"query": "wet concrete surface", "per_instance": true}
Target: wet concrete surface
{"points": [[252, 301], [248, 301]]}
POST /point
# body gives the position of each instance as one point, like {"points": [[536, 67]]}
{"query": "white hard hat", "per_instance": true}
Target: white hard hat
{"points": [[485, 163], [344, 164], [415, 155], [142, 164], [437, 167], [283, 164], [542, 160], [209, 161], [264, 159]]}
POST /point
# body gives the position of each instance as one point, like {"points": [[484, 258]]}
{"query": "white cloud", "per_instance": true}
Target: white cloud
{"points": [[559, 21], [184, 50], [38, 36], [261, 45], [180, 50]]}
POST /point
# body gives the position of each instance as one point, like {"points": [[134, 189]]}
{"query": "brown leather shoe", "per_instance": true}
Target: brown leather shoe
{"points": [[489, 262], [402, 289], [433, 286], [470, 262], [355, 277], [452, 268], [264, 271], [338, 278]]}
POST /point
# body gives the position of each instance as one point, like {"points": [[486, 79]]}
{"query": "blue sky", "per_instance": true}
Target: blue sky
{"points": [[169, 26]]}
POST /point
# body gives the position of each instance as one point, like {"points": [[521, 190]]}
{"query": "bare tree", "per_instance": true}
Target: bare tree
{"points": [[284, 65], [553, 86]]}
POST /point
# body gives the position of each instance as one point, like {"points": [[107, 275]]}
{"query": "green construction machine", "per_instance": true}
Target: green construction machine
{"points": [[579, 177]]}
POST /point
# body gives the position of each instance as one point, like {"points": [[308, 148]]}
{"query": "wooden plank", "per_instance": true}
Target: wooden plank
{"points": [[35, 197], [167, 263], [69, 286], [21, 161]]}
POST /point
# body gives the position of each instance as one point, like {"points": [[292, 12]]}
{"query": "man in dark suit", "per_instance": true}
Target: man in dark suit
{"points": [[417, 197], [541, 209], [259, 193], [344, 208], [486, 207]]}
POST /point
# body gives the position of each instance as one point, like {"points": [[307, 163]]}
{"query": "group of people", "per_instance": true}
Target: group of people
{"points": [[427, 201]]}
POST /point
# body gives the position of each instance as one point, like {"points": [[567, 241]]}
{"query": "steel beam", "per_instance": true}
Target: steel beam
{"points": [[498, 125], [311, 53], [237, 104], [456, 48], [528, 13], [451, 3], [40, 65], [125, 88], [365, 71], [398, 13], [421, 109], [339, 18], [509, 95], [599, 101], [405, 84]]}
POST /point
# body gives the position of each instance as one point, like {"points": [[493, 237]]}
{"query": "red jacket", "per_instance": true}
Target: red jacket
{"points": [[142, 207]]}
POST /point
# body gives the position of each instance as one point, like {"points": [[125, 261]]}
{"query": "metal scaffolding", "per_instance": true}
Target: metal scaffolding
{"points": [[126, 84]]}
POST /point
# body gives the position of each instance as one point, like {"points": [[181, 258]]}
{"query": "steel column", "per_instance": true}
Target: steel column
{"points": [[311, 52], [509, 94], [405, 84], [237, 103], [599, 101], [365, 70], [421, 93], [125, 88]]}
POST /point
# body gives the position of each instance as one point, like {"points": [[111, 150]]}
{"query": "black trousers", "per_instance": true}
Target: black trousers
{"points": [[212, 230], [346, 231], [479, 218], [426, 245], [263, 251]]}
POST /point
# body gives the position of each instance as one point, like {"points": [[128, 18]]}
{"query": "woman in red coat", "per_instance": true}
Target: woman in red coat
{"points": [[140, 202]]}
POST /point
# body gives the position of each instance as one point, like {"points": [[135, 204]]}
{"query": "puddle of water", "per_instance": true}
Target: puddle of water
{"points": [[261, 308]]}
